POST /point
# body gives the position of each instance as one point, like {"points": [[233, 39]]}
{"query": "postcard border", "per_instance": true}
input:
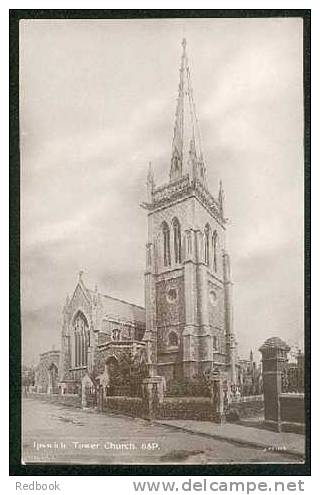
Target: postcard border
{"points": [[16, 468]]}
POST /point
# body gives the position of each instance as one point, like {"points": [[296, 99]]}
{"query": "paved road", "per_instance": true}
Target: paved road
{"points": [[58, 434]]}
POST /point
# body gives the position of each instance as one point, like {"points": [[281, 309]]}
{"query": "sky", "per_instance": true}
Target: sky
{"points": [[97, 103]]}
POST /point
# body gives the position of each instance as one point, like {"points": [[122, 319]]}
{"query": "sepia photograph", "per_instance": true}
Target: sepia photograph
{"points": [[162, 231]]}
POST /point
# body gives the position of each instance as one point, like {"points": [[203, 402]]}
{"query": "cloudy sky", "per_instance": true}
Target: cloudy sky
{"points": [[97, 104]]}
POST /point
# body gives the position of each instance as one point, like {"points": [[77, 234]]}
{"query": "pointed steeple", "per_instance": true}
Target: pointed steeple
{"points": [[186, 146]]}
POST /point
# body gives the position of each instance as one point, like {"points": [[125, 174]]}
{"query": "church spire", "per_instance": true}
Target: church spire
{"points": [[186, 146]]}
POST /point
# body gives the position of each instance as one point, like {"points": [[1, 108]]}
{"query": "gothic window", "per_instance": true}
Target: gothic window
{"points": [[112, 365], [173, 339], [177, 240], [213, 297], [172, 295], [166, 244], [207, 244], [189, 243], [116, 334], [76, 348], [215, 343], [81, 340], [215, 246], [138, 333]]}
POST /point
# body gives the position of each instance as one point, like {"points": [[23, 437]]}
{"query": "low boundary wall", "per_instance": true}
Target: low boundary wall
{"points": [[131, 406], [71, 400], [292, 412]]}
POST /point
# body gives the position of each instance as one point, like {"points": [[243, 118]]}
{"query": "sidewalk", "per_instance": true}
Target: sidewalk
{"points": [[249, 433]]}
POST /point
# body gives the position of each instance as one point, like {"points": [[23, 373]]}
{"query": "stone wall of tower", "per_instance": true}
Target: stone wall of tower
{"points": [[150, 336], [231, 346], [197, 313], [201, 218], [165, 298], [190, 344], [170, 317], [212, 331]]}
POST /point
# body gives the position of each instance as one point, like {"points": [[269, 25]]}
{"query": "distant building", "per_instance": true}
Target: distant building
{"points": [[293, 373], [27, 377], [47, 372], [249, 379]]}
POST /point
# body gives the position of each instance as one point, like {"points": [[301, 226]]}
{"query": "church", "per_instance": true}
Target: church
{"points": [[186, 327]]}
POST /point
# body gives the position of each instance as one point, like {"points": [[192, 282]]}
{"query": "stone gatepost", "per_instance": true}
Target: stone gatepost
{"points": [[274, 356], [86, 385], [217, 397], [153, 389]]}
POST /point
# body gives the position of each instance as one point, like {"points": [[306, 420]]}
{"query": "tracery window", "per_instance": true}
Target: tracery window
{"points": [[215, 343], [81, 340], [207, 244], [166, 244], [215, 246], [177, 240], [173, 339], [116, 334]]}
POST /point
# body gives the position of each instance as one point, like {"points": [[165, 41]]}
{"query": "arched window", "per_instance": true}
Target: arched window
{"points": [[215, 246], [177, 240], [166, 244], [215, 343], [81, 340], [116, 334], [207, 244], [173, 339], [112, 365], [76, 348]]}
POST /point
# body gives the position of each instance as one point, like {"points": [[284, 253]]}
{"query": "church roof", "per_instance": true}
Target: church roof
{"points": [[120, 308], [111, 306]]}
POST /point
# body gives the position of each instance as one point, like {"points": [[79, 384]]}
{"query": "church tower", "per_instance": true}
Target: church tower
{"points": [[188, 288]]}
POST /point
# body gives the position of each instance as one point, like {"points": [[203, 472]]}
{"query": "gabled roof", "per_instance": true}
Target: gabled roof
{"points": [[113, 306]]}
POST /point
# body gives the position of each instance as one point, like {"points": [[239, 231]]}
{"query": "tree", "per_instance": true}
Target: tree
{"points": [[131, 370]]}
